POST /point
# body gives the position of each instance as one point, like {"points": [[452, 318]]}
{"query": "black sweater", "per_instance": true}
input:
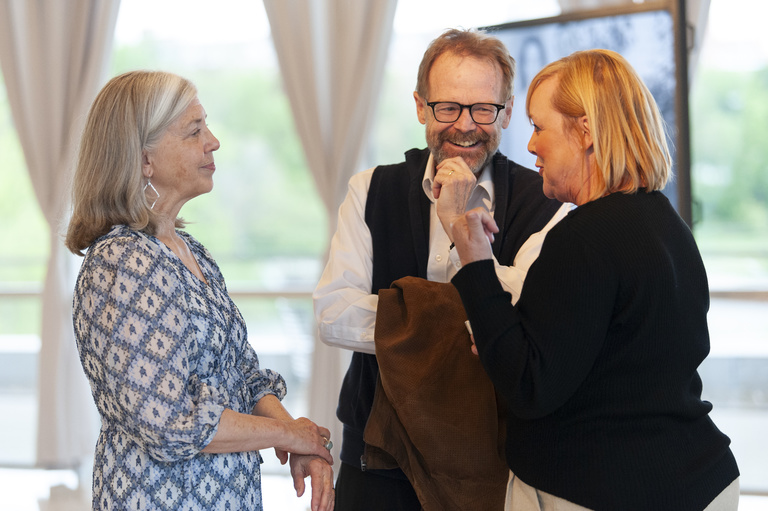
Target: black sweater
{"points": [[597, 362]]}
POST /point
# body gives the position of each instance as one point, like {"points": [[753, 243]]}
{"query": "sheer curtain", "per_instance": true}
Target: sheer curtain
{"points": [[53, 55], [332, 55]]}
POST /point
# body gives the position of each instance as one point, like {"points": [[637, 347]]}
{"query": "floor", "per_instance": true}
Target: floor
{"points": [[40, 490]]}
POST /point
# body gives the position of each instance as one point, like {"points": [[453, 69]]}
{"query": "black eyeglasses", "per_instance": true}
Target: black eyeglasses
{"points": [[481, 113]]}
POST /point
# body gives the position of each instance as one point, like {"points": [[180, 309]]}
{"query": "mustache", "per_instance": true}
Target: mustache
{"points": [[461, 138]]}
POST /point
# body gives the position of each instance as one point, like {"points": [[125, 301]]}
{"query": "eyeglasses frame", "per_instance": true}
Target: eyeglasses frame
{"points": [[499, 108]]}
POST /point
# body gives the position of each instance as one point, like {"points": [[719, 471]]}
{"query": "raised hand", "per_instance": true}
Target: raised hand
{"points": [[473, 233], [452, 187]]}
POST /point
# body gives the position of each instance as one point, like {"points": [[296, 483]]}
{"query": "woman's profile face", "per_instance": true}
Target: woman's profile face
{"points": [[181, 165], [560, 153]]}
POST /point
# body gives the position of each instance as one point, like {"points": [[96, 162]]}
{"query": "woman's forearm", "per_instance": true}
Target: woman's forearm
{"points": [[239, 432], [270, 406], [270, 425]]}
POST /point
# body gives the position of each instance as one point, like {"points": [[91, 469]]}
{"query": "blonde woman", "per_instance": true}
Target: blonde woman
{"points": [[597, 361]]}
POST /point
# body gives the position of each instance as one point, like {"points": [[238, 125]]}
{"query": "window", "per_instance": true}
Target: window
{"points": [[729, 105], [266, 227], [23, 259]]}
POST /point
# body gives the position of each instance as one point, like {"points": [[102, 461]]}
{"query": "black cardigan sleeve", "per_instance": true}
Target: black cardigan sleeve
{"points": [[538, 352]]}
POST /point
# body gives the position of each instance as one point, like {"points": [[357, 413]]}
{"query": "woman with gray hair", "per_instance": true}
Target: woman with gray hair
{"points": [[597, 360], [184, 405]]}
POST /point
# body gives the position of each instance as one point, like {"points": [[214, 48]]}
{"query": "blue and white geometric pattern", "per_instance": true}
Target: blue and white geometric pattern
{"points": [[165, 353]]}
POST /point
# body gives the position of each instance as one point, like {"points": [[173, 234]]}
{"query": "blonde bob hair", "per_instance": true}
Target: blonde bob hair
{"points": [[468, 43], [627, 130], [127, 118]]}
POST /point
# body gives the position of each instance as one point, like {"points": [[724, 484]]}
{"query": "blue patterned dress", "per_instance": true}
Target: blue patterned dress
{"points": [[165, 354]]}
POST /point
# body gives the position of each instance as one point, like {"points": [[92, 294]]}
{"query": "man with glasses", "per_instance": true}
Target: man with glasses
{"points": [[395, 222]]}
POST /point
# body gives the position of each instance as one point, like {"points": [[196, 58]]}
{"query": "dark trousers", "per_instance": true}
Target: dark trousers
{"points": [[366, 491]]}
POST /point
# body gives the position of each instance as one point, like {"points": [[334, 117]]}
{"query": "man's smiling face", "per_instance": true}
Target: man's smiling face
{"points": [[466, 80]]}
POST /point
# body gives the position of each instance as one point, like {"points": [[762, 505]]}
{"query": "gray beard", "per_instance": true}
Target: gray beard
{"points": [[435, 144], [476, 167]]}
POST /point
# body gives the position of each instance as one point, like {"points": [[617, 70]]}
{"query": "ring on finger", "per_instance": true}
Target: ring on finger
{"points": [[327, 443]]}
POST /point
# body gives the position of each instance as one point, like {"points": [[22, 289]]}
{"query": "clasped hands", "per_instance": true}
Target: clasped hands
{"points": [[316, 466]]}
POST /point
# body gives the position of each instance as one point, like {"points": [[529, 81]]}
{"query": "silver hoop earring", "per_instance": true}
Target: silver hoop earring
{"points": [[157, 195]]}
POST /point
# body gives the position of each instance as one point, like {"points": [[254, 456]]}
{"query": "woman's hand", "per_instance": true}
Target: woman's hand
{"points": [[473, 233], [471, 337], [321, 480], [270, 425], [304, 437]]}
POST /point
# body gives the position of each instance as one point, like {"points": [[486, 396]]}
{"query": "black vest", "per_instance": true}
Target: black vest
{"points": [[397, 214]]}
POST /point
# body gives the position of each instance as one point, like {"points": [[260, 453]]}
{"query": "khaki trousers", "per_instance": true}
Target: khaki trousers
{"points": [[523, 497]]}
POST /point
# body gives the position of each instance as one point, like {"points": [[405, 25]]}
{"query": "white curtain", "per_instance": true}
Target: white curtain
{"points": [[54, 55], [332, 55]]}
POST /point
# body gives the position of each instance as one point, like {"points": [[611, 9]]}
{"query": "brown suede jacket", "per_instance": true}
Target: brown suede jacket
{"points": [[435, 413]]}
